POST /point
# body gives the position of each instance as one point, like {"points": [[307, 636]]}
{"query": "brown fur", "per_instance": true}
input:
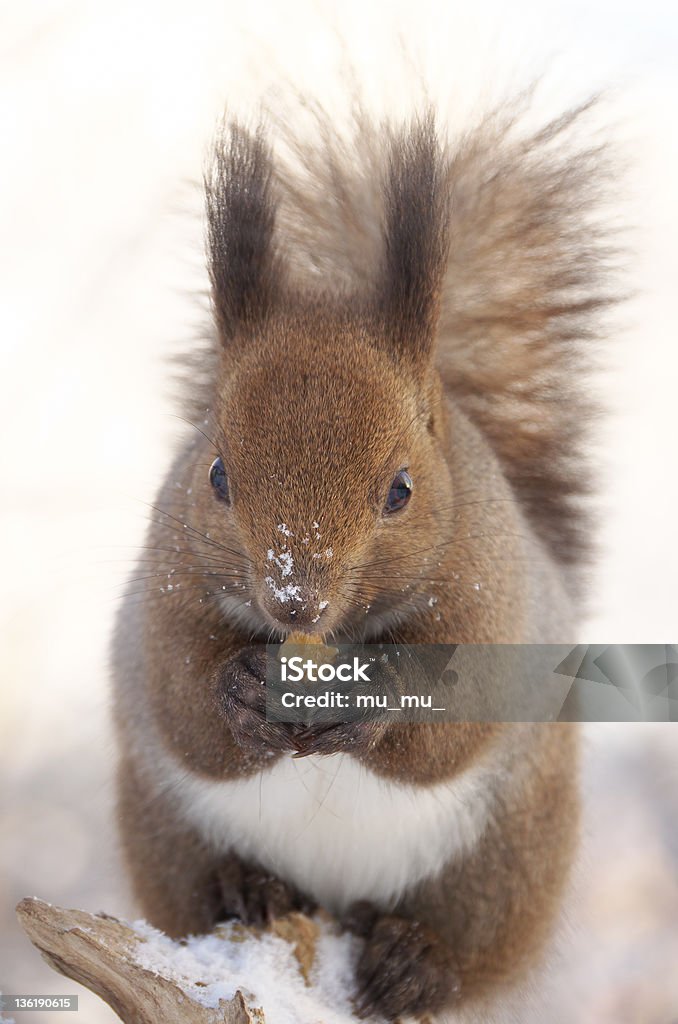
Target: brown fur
{"points": [[453, 348]]}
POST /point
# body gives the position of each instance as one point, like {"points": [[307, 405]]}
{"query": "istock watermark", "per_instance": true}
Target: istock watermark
{"points": [[312, 684], [298, 669]]}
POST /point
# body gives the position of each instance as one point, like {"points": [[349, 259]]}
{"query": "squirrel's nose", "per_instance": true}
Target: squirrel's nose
{"points": [[294, 604]]}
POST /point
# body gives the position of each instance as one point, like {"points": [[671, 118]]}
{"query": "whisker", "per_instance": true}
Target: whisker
{"points": [[195, 426], [179, 572], [418, 551], [157, 593], [417, 416], [209, 557], [191, 529]]}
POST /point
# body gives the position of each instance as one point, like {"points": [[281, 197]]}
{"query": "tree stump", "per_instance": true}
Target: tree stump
{"points": [[103, 953]]}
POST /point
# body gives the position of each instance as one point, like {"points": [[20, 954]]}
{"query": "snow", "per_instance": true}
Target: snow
{"points": [[284, 561], [290, 592], [234, 960]]}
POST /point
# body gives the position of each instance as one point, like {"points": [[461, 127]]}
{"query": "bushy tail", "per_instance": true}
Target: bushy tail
{"points": [[528, 276]]}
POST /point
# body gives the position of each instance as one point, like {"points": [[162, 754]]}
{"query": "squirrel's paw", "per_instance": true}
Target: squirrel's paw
{"points": [[243, 693], [343, 738], [354, 737], [404, 968], [255, 896]]}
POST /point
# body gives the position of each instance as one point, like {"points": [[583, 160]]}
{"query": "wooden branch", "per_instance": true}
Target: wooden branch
{"points": [[100, 952]]}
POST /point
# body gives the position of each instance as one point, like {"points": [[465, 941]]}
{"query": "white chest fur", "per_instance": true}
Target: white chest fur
{"points": [[336, 830]]}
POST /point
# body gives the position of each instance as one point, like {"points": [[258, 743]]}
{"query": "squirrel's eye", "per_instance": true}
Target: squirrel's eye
{"points": [[218, 478], [400, 492]]}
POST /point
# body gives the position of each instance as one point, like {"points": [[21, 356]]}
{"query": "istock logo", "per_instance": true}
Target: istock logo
{"points": [[293, 670], [472, 683]]}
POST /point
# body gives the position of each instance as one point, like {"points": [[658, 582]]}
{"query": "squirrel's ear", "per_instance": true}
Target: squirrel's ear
{"points": [[240, 227], [416, 237]]}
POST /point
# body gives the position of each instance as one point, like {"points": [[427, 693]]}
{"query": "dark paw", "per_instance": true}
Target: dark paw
{"points": [[243, 693], [356, 736], [360, 918], [255, 896], [405, 968], [344, 738]]}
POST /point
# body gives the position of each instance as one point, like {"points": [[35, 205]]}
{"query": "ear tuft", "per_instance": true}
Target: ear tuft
{"points": [[416, 236], [241, 213]]}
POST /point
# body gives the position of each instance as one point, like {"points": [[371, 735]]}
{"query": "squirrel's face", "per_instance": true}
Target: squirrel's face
{"points": [[330, 482], [332, 488]]}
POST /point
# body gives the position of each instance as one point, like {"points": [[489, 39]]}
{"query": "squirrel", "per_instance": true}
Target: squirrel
{"points": [[391, 421]]}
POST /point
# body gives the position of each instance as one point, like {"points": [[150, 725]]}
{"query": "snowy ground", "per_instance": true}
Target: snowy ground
{"points": [[104, 113]]}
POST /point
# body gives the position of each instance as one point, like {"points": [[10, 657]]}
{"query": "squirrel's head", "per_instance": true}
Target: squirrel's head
{"points": [[329, 478], [329, 469]]}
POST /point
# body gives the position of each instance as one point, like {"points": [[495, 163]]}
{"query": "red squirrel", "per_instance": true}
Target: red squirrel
{"points": [[390, 424]]}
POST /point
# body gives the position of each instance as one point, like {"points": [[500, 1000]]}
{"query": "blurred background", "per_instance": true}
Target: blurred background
{"points": [[106, 110]]}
